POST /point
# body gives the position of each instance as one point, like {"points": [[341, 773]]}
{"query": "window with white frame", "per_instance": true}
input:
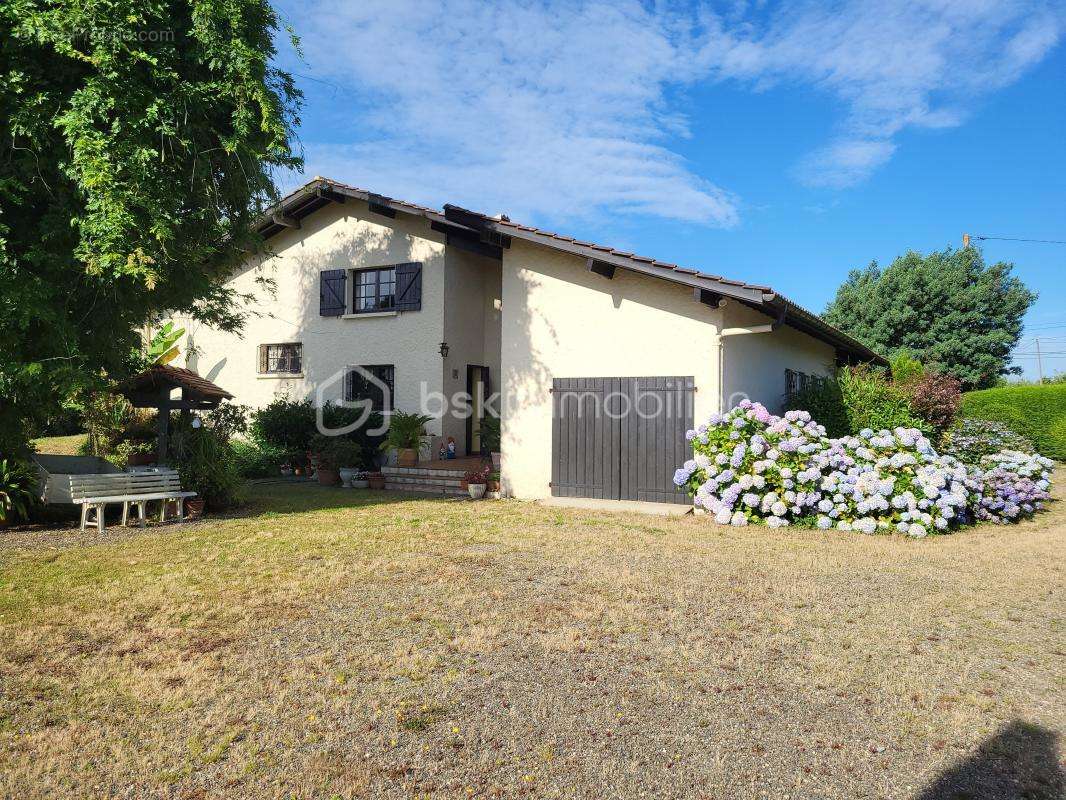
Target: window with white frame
{"points": [[373, 290]]}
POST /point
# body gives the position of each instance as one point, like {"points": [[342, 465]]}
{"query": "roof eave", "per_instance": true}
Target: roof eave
{"points": [[320, 192], [686, 277]]}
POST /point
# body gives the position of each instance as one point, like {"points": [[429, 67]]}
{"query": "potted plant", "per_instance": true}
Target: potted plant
{"points": [[405, 436], [16, 491], [492, 489], [490, 440], [141, 454], [359, 480], [347, 456], [476, 482], [323, 460], [375, 480], [207, 465], [286, 470]]}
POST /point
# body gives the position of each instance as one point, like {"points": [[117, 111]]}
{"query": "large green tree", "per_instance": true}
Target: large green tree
{"points": [[138, 141], [956, 313]]}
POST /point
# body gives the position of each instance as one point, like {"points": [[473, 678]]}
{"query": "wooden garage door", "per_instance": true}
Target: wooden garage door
{"points": [[620, 438]]}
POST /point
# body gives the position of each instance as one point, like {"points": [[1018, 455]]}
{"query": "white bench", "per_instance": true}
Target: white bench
{"points": [[94, 492]]}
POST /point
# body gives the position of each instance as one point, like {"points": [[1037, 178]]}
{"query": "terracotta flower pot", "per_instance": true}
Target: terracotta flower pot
{"points": [[406, 457], [194, 507], [327, 476], [376, 480], [140, 459]]}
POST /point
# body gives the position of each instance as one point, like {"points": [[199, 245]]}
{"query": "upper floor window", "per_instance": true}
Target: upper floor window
{"points": [[390, 289], [281, 358], [374, 290]]}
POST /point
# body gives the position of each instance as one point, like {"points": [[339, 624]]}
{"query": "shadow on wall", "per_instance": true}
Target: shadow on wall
{"points": [[525, 373], [1018, 762], [327, 348]]}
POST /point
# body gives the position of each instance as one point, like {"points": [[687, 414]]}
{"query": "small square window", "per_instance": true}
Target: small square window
{"points": [[280, 359]]}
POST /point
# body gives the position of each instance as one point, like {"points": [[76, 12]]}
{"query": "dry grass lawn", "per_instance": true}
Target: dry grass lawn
{"points": [[60, 445], [324, 643]]}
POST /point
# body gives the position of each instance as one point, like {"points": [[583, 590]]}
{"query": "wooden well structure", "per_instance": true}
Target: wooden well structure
{"points": [[155, 388]]}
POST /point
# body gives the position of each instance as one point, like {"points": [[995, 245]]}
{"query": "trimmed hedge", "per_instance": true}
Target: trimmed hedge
{"points": [[1036, 412]]}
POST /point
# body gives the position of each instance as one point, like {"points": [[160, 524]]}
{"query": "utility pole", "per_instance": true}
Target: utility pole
{"points": [[1039, 362]]}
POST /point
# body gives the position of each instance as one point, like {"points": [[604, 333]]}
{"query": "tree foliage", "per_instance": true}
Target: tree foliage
{"points": [[954, 313], [139, 141]]}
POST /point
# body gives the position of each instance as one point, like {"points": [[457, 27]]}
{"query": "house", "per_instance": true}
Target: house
{"points": [[596, 360]]}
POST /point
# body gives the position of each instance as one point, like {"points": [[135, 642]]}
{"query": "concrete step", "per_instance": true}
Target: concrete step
{"points": [[424, 480], [419, 472], [425, 488]]}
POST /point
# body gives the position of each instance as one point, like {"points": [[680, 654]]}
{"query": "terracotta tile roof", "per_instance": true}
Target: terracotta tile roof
{"points": [[506, 223], [307, 199]]}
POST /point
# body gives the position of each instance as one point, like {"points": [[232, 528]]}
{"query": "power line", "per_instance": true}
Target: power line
{"points": [[1015, 239]]}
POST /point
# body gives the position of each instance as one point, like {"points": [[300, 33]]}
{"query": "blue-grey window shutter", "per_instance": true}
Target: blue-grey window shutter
{"points": [[409, 286], [331, 291]]}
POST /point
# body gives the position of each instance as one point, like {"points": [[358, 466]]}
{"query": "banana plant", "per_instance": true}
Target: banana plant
{"points": [[163, 348]]}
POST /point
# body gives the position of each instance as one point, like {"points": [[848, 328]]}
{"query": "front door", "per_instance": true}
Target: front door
{"points": [[477, 386]]}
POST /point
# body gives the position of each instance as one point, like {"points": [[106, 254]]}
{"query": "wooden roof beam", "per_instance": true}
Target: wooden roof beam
{"points": [[600, 268], [285, 220]]}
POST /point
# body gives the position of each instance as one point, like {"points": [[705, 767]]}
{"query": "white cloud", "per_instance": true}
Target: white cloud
{"points": [[534, 109], [546, 109], [892, 64], [844, 162]]}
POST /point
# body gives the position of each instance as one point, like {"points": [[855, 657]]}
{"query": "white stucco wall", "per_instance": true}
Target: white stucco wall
{"points": [[339, 236], [561, 321], [754, 364], [471, 326]]}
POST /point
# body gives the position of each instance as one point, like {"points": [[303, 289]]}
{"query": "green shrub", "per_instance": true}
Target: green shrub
{"points": [[285, 424], [291, 426], [872, 401], [1037, 412], [257, 461], [905, 367], [206, 462], [338, 452], [826, 404], [490, 434], [18, 482]]}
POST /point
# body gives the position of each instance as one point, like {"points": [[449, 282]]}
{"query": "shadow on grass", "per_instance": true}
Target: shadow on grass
{"points": [[296, 498], [1018, 762]]}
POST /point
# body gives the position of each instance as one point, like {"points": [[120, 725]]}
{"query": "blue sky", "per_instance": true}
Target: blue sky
{"points": [[781, 144]]}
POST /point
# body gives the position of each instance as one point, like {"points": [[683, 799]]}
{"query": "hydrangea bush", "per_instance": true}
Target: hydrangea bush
{"points": [[973, 438], [749, 465], [1014, 485]]}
